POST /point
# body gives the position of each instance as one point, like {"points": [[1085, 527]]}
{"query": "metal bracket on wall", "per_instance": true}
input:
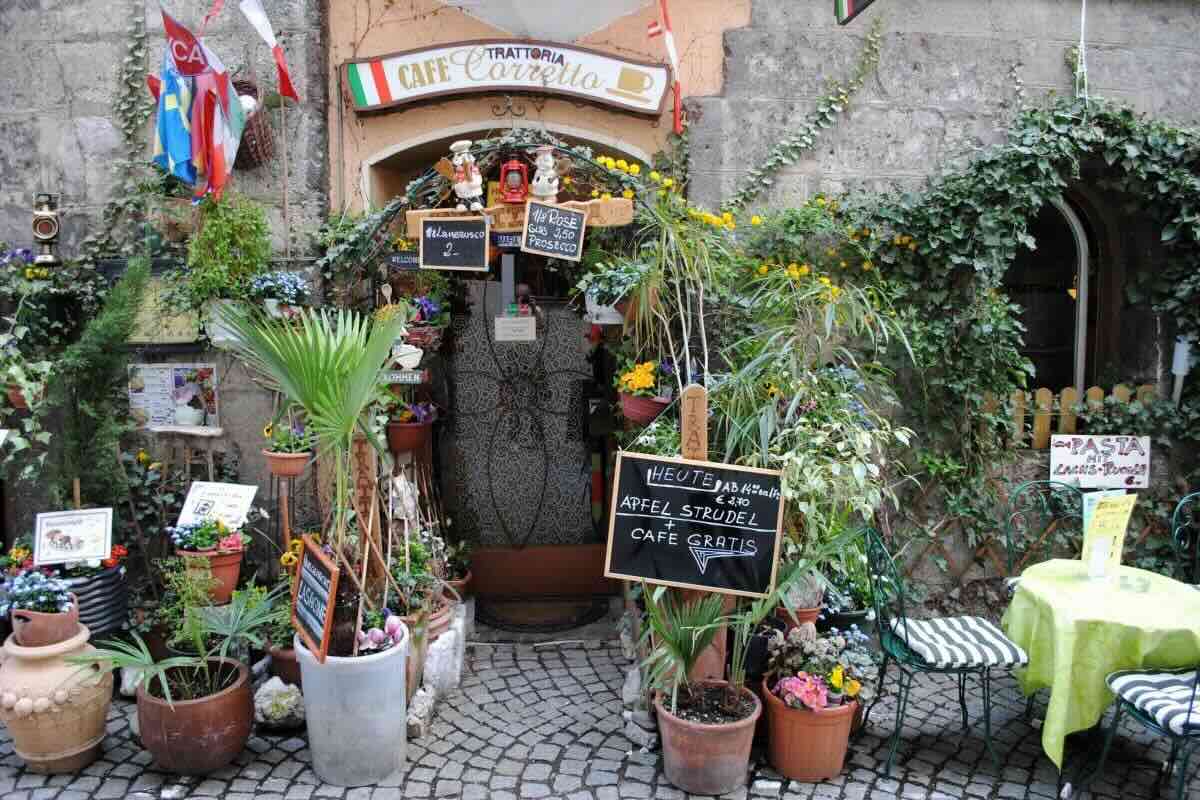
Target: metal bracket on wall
{"points": [[516, 108]]}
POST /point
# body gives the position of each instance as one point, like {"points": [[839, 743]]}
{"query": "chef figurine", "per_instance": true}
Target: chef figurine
{"points": [[545, 180], [468, 183]]}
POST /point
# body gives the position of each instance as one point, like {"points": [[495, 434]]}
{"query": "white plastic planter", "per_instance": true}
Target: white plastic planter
{"points": [[357, 714], [214, 325], [602, 315]]}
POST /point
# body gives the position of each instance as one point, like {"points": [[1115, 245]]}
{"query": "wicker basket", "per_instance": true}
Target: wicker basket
{"points": [[258, 140], [426, 337]]}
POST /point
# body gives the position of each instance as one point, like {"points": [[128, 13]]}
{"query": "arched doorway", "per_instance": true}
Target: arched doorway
{"points": [[1055, 286]]}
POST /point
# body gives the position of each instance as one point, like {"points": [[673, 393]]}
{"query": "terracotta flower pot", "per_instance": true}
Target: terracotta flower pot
{"points": [[641, 410], [55, 711], [803, 616], [287, 465], [193, 737], [284, 665], [226, 566], [439, 620], [706, 759], [807, 745], [462, 586], [403, 437], [42, 628]]}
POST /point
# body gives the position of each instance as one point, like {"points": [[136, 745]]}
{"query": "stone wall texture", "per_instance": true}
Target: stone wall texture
{"points": [[58, 83], [946, 83]]}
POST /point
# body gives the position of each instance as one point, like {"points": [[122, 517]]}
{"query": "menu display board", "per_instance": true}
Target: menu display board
{"points": [[454, 243], [312, 598], [173, 394], [553, 230], [228, 502], [1101, 462], [695, 524]]}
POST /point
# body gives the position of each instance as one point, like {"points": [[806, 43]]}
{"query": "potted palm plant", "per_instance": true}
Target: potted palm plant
{"points": [[329, 365], [204, 698]]}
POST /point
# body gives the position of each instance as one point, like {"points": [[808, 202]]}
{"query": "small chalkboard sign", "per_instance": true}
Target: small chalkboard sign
{"points": [[454, 243], [695, 524], [553, 230], [407, 260], [312, 598]]}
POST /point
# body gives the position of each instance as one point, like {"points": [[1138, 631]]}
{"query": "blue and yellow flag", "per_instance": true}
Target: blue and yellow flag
{"points": [[173, 131]]}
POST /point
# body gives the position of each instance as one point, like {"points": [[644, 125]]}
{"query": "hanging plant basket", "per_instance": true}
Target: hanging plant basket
{"points": [[642, 410], [258, 140]]}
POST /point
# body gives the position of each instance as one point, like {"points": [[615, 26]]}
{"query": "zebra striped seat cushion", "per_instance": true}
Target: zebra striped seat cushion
{"points": [[954, 642], [1162, 696]]}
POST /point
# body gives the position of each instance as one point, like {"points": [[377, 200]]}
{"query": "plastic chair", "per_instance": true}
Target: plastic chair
{"points": [[958, 646]]}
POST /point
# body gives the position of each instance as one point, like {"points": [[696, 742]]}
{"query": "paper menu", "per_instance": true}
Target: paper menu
{"points": [[1104, 533]]}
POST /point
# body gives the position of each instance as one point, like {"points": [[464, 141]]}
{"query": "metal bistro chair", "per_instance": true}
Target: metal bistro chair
{"points": [[1185, 536], [959, 646], [1165, 702], [1044, 520]]}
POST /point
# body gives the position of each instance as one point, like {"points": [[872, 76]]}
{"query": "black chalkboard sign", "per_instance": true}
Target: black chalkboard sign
{"points": [[313, 593], [553, 230], [454, 243], [694, 524], [404, 261]]}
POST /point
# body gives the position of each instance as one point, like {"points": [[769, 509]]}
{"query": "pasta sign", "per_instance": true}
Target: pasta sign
{"points": [[1101, 462]]}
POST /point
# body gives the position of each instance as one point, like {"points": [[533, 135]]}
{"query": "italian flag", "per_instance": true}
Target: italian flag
{"points": [[369, 84], [846, 10]]}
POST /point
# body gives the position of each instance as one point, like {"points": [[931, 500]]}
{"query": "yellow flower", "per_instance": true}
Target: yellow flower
{"points": [[835, 677], [896, 240], [727, 217], [622, 164], [143, 457], [867, 266], [296, 545], [821, 202], [793, 271], [606, 196], [756, 220], [829, 251], [668, 183], [654, 176], [804, 270], [662, 192], [905, 239], [731, 225], [29, 273], [155, 465], [567, 180], [289, 559], [635, 169], [823, 279], [595, 192], [834, 291], [912, 246], [627, 194], [762, 269], [772, 390], [268, 430], [843, 264], [222, 527], [853, 687]]}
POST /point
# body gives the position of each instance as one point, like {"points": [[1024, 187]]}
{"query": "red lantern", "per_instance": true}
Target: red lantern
{"points": [[514, 180]]}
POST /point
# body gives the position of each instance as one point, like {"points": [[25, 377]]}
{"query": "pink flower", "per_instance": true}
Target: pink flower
{"points": [[803, 691], [231, 542]]}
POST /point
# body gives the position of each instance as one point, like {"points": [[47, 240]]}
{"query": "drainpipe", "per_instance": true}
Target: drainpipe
{"points": [[1181, 364]]}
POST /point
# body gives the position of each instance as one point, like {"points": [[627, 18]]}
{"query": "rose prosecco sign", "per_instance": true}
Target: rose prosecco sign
{"points": [[507, 66]]}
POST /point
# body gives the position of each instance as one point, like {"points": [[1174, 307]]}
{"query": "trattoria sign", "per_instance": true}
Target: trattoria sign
{"points": [[503, 65]]}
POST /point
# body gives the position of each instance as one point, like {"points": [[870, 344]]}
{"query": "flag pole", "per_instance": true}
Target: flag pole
{"points": [[287, 225]]}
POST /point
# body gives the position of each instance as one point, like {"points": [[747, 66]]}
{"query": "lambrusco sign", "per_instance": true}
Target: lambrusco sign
{"points": [[695, 524], [502, 65]]}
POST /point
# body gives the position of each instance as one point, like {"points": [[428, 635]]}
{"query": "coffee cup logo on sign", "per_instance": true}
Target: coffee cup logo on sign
{"points": [[633, 84]]}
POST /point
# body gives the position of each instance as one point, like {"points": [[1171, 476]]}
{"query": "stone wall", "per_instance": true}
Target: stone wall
{"points": [[58, 83], [946, 83]]}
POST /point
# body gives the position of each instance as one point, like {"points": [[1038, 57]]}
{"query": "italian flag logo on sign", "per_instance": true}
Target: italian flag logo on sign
{"points": [[846, 10], [368, 84]]}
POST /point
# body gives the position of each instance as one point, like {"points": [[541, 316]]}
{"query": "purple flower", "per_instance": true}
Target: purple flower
{"points": [[667, 366], [430, 308]]}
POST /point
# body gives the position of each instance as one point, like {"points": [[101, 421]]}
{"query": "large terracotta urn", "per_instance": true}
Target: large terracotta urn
{"points": [[55, 711]]}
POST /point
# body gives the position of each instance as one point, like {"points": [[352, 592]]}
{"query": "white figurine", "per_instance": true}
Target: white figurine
{"points": [[468, 183], [545, 180]]}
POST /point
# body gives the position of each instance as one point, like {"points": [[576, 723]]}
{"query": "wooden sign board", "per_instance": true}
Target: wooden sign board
{"points": [[695, 525], [454, 243], [313, 598], [553, 230], [510, 217], [1100, 462], [407, 377], [63, 537]]}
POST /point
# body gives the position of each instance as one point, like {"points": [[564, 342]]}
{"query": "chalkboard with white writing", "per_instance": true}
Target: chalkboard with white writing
{"points": [[454, 243], [694, 524], [313, 594], [552, 230]]}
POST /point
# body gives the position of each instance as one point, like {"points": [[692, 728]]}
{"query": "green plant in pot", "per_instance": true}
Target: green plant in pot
{"points": [[206, 697], [329, 365], [289, 445], [211, 546], [408, 422]]}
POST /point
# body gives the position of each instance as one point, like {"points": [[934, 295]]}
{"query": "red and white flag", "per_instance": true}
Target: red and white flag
{"points": [[184, 48], [258, 18], [653, 28]]}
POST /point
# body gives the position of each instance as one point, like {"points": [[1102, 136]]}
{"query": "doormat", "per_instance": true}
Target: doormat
{"points": [[539, 614]]}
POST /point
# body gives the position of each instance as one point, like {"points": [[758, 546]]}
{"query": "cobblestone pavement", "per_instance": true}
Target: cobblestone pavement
{"points": [[545, 723]]}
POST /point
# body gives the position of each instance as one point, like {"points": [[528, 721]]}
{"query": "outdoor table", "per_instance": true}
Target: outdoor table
{"points": [[1077, 630]]}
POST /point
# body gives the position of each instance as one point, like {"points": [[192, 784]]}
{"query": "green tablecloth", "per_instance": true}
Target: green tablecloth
{"points": [[1078, 630]]}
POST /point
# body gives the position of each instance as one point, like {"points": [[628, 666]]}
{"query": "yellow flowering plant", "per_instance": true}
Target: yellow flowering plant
{"points": [[830, 670], [640, 379]]}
